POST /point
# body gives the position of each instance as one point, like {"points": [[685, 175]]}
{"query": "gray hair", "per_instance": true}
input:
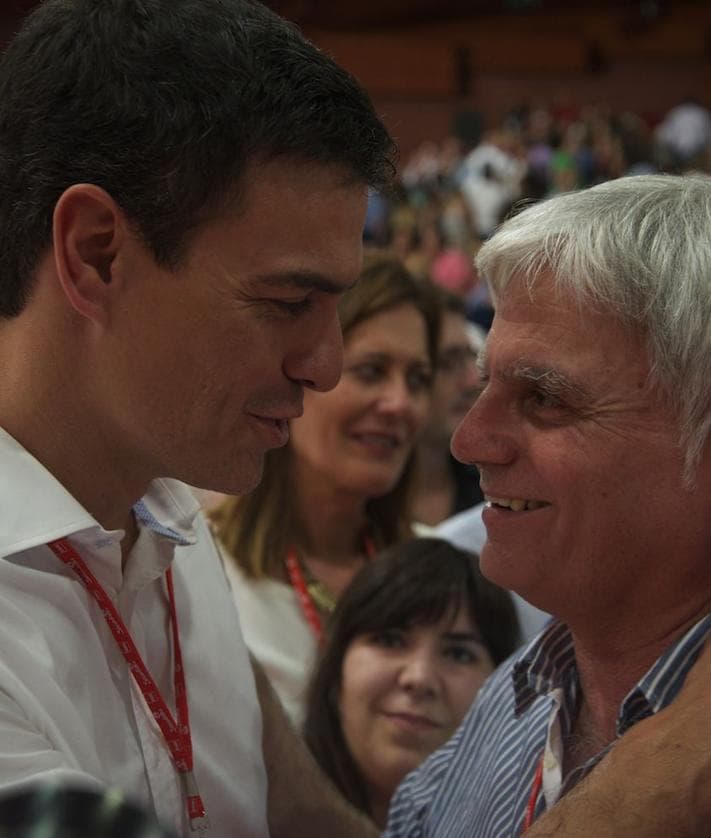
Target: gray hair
{"points": [[639, 248]]}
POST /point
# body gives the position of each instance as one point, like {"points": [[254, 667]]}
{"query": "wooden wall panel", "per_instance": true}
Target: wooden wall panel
{"points": [[530, 52], [404, 64]]}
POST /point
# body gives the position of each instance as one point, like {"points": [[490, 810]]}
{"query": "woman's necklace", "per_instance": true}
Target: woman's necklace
{"points": [[313, 596]]}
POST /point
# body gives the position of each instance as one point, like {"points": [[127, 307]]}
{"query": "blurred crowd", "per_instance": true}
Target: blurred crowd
{"points": [[452, 196]]}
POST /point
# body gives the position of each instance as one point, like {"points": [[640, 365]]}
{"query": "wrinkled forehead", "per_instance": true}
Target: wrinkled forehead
{"points": [[547, 301], [545, 328]]}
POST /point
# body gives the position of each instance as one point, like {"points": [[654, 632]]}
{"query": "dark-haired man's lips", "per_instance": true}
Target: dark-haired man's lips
{"points": [[275, 432]]}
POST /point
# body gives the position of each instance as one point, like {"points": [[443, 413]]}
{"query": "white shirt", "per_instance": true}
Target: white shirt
{"points": [[69, 709]]}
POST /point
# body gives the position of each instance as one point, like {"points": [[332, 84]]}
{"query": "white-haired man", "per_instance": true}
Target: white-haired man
{"points": [[591, 434]]}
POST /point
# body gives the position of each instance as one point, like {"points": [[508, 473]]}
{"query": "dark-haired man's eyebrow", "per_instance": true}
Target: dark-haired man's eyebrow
{"points": [[304, 280]]}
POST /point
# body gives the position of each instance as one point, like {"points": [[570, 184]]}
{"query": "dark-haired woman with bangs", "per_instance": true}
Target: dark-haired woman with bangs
{"points": [[412, 639]]}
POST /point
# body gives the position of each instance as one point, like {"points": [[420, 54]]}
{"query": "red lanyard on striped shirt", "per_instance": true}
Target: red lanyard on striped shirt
{"points": [[533, 799], [176, 733]]}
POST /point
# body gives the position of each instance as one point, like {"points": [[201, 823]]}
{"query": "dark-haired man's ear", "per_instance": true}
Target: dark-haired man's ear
{"points": [[88, 230]]}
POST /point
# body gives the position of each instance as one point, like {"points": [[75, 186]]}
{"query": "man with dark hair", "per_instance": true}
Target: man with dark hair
{"points": [[183, 185]]}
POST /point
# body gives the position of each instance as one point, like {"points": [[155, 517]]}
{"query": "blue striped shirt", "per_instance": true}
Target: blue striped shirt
{"points": [[478, 785]]}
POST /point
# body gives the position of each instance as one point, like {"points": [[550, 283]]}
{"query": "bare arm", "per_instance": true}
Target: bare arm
{"points": [[655, 783], [301, 801]]}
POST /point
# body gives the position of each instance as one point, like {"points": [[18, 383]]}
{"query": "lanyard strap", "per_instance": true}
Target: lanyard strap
{"points": [[176, 733], [298, 583], [533, 799]]}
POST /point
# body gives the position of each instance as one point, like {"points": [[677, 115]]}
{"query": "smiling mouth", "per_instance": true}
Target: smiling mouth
{"points": [[514, 504]]}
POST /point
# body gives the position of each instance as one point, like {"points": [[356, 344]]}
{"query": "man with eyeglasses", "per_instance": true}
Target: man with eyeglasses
{"points": [[445, 485]]}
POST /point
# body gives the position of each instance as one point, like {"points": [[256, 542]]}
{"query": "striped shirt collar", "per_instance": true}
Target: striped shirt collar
{"points": [[480, 782], [37, 508], [548, 663]]}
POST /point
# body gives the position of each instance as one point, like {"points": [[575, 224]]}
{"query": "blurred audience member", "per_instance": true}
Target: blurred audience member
{"points": [[453, 269], [403, 232], [421, 174], [456, 220], [444, 485], [427, 242], [412, 639], [685, 133], [375, 229], [491, 180], [636, 143]]}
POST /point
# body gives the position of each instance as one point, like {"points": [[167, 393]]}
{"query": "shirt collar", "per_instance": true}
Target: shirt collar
{"points": [[36, 508], [169, 510], [661, 685], [166, 514], [548, 662]]}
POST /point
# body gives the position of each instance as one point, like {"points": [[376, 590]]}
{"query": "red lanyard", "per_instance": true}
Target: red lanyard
{"points": [[533, 799], [176, 734], [298, 583]]}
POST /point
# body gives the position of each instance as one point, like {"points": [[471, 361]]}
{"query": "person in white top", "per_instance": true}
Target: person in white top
{"points": [[490, 180], [444, 485], [685, 133], [167, 294]]}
